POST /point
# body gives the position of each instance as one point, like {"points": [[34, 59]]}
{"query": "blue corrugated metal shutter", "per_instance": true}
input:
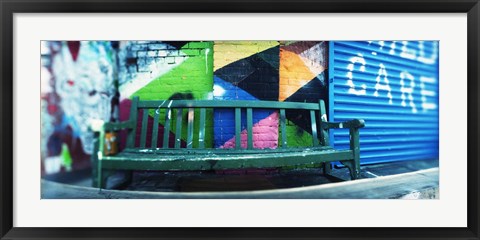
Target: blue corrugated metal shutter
{"points": [[393, 86]]}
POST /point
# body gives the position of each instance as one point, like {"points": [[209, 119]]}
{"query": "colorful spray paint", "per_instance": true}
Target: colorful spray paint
{"points": [[165, 70]]}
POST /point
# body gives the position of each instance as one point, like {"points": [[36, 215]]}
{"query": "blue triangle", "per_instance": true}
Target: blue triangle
{"points": [[224, 120]]}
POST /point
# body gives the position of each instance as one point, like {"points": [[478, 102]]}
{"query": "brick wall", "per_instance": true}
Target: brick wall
{"points": [[303, 78], [246, 70], [154, 70]]}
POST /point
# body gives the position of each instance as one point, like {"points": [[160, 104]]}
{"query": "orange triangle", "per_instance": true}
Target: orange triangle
{"points": [[293, 74]]}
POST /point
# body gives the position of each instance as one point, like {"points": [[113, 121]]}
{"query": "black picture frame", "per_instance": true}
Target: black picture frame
{"points": [[9, 7]]}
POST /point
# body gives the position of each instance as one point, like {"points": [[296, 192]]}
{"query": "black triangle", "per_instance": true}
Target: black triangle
{"points": [[271, 56], [257, 74], [263, 83], [311, 92], [177, 44], [235, 72]]}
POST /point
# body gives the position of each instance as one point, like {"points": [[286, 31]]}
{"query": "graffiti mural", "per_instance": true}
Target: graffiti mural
{"points": [[246, 70], [302, 79], [165, 70], [81, 87], [84, 81]]}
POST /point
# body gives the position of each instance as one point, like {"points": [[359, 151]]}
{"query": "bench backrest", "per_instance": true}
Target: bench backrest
{"points": [[171, 108]]}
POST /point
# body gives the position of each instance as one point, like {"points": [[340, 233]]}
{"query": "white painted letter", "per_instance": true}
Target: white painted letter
{"points": [[407, 53], [408, 90], [432, 58], [392, 48], [350, 67], [427, 93], [383, 72]]}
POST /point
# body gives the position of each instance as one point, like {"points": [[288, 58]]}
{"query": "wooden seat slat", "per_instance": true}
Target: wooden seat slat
{"points": [[227, 104], [190, 119], [221, 150], [249, 128], [238, 130], [221, 161], [314, 127], [166, 128], [155, 129], [178, 126], [143, 136], [201, 132], [133, 118], [322, 114], [283, 128]]}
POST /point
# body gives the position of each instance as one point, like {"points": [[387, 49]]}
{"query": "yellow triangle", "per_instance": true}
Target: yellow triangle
{"points": [[226, 52]]}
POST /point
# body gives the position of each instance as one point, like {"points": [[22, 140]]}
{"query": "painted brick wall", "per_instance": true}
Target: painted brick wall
{"points": [[246, 70], [156, 70], [78, 84], [268, 70], [303, 78]]}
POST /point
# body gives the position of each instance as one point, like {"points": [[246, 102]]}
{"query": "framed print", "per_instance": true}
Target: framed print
{"points": [[265, 119]]}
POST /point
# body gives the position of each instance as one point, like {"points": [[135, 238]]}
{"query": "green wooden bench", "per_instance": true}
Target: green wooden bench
{"points": [[194, 156]]}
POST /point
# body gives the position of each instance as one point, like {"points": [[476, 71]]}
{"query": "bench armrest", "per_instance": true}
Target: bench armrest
{"points": [[99, 125], [355, 123]]}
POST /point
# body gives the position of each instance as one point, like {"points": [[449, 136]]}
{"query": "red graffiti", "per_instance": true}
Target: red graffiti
{"points": [[52, 109], [74, 48]]}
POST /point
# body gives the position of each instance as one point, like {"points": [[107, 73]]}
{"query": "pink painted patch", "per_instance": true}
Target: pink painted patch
{"points": [[125, 106], [265, 134]]}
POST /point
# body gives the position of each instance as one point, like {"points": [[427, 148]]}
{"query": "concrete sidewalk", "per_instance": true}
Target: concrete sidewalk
{"points": [[414, 185]]}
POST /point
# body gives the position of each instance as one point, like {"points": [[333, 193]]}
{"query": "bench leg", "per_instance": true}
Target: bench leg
{"points": [[327, 168], [95, 175], [328, 173], [353, 167], [96, 163], [354, 164], [103, 178], [100, 179]]}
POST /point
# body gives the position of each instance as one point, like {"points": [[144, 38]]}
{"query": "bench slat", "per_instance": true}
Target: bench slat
{"points": [[249, 128], [166, 128], [227, 104], [238, 119], [283, 128], [314, 127], [201, 132], [133, 118], [184, 151], [216, 161], [143, 136], [191, 115], [178, 132], [323, 118], [155, 129]]}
